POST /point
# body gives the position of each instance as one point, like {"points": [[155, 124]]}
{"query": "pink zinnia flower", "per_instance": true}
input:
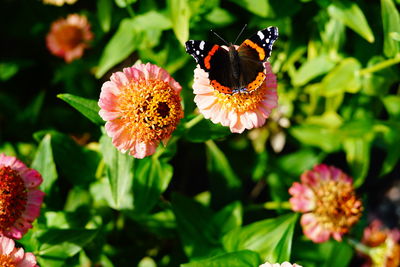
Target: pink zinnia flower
{"points": [[14, 257], [284, 264], [327, 198], [69, 37], [383, 245], [142, 107], [20, 198], [239, 111]]}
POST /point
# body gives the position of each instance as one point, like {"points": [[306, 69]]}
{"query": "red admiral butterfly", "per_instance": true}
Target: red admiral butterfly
{"points": [[235, 70]]}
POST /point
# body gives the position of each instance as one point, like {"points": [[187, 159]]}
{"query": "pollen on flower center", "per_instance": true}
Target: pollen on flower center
{"points": [[150, 110], [337, 206], [242, 102], [6, 261], [13, 197]]}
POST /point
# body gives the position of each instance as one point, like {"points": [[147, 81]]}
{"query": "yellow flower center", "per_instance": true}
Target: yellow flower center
{"points": [[243, 101], [337, 207], [150, 110], [69, 37], [6, 261], [13, 197]]}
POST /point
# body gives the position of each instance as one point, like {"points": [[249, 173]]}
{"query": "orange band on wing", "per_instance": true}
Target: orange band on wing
{"points": [[257, 82], [260, 50], [208, 57], [220, 88]]}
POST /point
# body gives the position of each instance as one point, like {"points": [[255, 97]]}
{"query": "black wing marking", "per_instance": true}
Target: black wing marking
{"points": [[265, 39], [199, 50]]}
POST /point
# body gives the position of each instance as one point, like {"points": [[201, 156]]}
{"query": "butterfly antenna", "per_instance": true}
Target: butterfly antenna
{"points": [[240, 33], [220, 37]]}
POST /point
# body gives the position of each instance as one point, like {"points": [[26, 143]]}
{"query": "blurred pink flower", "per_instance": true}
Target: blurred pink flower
{"points": [[142, 107], [383, 244], [239, 111], [69, 37], [327, 198], [10, 256], [20, 200], [284, 264], [59, 2]]}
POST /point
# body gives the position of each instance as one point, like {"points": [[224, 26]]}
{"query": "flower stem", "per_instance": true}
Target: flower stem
{"points": [[381, 65], [130, 11], [274, 205], [194, 121], [358, 246]]}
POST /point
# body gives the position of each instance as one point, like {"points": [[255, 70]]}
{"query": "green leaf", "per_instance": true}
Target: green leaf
{"points": [[124, 3], [8, 70], [206, 130], [311, 69], [44, 164], [121, 45], [298, 162], [179, 12], [260, 8], [223, 178], [241, 258], [271, 238], [351, 15], [200, 238], [88, 107], [392, 145], [152, 177], [339, 254], [378, 83], [392, 105], [70, 157], [315, 135], [220, 17], [104, 14], [391, 26], [230, 217], [57, 245], [344, 78], [358, 157], [119, 172]]}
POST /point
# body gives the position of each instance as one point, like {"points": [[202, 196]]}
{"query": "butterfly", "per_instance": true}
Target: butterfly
{"points": [[235, 70]]}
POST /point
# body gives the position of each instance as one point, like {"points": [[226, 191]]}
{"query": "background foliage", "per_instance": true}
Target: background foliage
{"points": [[212, 198]]}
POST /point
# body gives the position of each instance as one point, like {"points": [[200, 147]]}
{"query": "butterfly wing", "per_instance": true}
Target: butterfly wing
{"points": [[213, 59], [252, 53]]}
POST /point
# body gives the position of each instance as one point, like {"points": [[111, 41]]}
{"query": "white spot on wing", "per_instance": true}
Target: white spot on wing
{"points": [[197, 52], [267, 40], [260, 34], [202, 43]]}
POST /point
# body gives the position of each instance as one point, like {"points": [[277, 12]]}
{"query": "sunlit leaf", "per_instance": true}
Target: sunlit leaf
{"points": [[119, 171], [271, 238], [312, 69], [88, 107], [343, 78], [121, 45], [391, 25], [352, 16], [180, 15], [104, 14], [260, 8], [44, 164], [240, 258]]}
